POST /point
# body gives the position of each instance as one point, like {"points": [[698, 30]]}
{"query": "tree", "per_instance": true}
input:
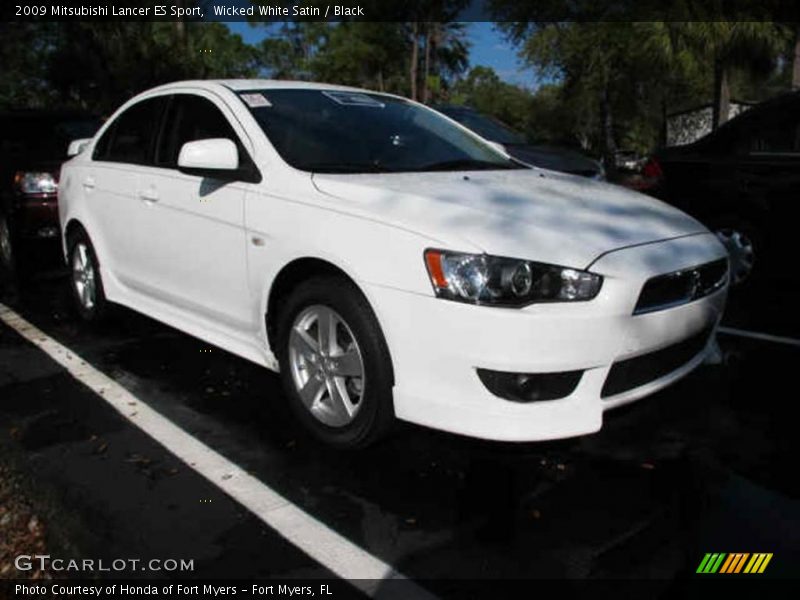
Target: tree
{"points": [[446, 54], [682, 77], [753, 46], [601, 71], [413, 66], [368, 54], [363, 54], [97, 66], [483, 90], [24, 48], [289, 51], [442, 40]]}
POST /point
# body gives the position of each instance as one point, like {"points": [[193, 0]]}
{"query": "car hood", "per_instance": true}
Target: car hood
{"points": [[549, 217]]}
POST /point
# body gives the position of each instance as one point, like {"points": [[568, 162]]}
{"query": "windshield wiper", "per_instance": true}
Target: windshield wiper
{"points": [[346, 168], [467, 164]]}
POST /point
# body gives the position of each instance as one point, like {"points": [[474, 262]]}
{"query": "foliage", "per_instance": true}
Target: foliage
{"points": [[23, 46], [375, 55], [483, 90], [617, 81], [606, 84], [96, 66]]}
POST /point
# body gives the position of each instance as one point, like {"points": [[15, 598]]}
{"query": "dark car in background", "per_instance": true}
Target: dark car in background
{"points": [[33, 144], [743, 182], [628, 161], [555, 158]]}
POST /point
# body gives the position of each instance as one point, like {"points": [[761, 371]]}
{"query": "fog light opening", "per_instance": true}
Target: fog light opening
{"points": [[530, 387]]}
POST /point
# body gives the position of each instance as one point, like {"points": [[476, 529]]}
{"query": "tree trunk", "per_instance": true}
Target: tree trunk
{"points": [[609, 143], [180, 25], [722, 94], [412, 71], [427, 64], [796, 62]]}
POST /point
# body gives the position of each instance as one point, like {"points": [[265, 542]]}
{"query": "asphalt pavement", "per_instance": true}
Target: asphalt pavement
{"points": [[707, 465]]}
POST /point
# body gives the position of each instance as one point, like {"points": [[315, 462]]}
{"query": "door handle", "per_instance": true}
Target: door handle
{"points": [[149, 195], [89, 183]]}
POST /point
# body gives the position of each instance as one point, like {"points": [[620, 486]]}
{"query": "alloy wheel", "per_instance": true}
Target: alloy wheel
{"points": [[326, 365], [6, 252], [83, 276]]}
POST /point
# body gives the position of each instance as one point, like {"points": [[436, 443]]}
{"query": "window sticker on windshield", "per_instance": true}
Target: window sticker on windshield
{"points": [[256, 100], [353, 99]]}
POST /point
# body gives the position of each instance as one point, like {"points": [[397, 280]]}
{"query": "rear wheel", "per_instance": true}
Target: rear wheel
{"points": [[335, 365], [7, 258], [85, 280]]}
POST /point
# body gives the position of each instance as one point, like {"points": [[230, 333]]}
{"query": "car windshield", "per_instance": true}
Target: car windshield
{"points": [[486, 127], [333, 131]]}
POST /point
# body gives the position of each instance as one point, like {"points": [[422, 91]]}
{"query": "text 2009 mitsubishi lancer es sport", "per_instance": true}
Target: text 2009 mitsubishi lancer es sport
{"points": [[386, 260]]}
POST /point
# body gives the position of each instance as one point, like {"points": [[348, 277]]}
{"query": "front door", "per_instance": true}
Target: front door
{"points": [[195, 251]]}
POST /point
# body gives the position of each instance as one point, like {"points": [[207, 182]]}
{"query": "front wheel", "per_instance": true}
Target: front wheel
{"points": [[335, 365], [86, 282]]}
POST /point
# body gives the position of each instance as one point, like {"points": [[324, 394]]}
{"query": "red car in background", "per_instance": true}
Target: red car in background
{"points": [[33, 144]]}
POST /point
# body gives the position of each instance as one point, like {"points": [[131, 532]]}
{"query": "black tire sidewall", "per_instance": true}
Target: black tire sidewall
{"points": [[7, 263], [97, 312], [376, 415]]}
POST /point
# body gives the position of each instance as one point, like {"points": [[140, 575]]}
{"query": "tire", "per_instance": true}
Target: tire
{"points": [[86, 282], [360, 411], [746, 250], [7, 254]]}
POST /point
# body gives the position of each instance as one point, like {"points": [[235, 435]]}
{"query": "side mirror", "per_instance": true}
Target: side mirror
{"points": [[77, 146], [216, 157]]}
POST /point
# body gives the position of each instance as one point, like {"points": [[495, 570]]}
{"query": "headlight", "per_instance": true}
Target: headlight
{"points": [[483, 279], [35, 182]]}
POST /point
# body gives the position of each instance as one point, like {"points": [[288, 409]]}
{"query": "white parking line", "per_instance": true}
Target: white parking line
{"points": [[317, 540], [767, 337]]}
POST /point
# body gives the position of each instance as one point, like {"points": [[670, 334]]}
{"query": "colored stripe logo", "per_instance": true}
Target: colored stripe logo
{"points": [[735, 562]]}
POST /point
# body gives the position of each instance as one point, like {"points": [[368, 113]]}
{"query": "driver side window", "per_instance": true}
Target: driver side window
{"points": [[191, 118]]}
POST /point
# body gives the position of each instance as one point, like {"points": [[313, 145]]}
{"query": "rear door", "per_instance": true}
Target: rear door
{"points": [[110, 185]]}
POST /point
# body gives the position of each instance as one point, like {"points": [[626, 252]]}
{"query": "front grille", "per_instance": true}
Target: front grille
{"points": [[681, 287], [634, 372]]}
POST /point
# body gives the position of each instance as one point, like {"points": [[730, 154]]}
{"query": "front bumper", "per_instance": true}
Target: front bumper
{"points": [[437, 346]]}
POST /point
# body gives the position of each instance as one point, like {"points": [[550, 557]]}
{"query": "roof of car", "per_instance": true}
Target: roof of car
{"points": [[258, 84]]}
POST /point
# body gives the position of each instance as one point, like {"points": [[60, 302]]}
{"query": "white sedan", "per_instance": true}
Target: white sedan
{"points": [[386, 260]]}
